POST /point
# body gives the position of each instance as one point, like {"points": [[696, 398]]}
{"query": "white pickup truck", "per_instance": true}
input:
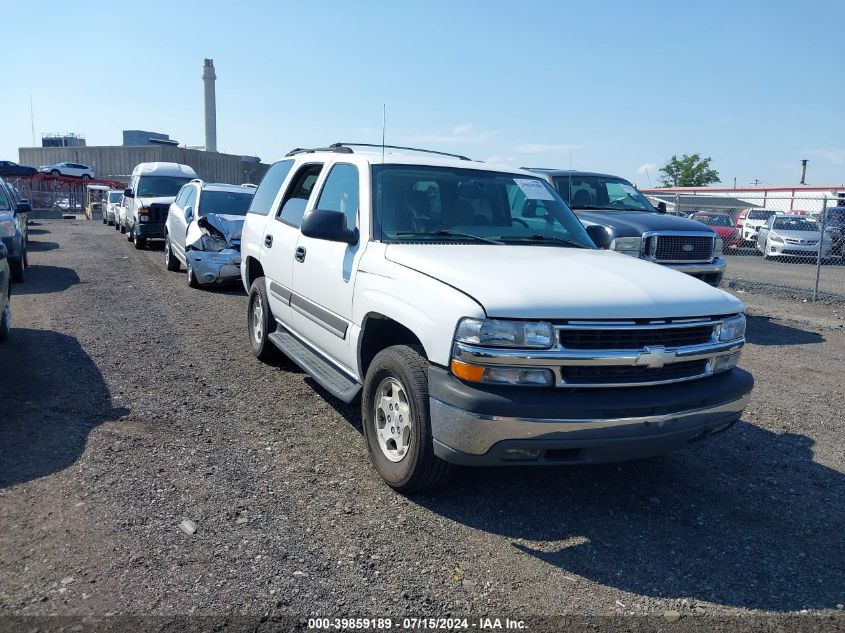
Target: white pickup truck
{"points": [[476, 318]]}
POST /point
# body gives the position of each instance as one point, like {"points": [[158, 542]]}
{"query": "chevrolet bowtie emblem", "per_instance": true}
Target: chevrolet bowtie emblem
{"points": [[655, 357]]}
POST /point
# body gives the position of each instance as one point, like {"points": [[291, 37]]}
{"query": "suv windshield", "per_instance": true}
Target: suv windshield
{"points": [[714, 220], [160, 186], [601, 192], [414, 203], [114, 196], [225, 202], [760, 215], [836, 216], [795, 224]]}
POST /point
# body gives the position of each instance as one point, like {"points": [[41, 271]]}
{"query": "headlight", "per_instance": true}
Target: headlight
{"points": [[720, 246], [212, 243], [7, 228], [492, 333], [724, 363], [528, 376], [733, 328], [776, 238], [628, 245]]}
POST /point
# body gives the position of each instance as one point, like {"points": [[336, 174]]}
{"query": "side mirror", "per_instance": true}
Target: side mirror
{"points": [[23, 207], [322, 224], [600, 235], [127, 193], [661, 207]]}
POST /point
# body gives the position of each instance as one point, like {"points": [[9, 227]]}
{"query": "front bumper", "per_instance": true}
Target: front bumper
{"points": [[215, 267], [777, 249], [483, 425], [150, 230], [711, 272]]}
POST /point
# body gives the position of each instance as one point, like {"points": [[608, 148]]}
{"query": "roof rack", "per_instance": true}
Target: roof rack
{"points": [[412, 149], [335, 147], [346, 148]]}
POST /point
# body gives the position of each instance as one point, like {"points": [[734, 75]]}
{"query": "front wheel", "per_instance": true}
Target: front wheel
{"points": [[192, 278], [86, 177], [397, 423], [171, 263], [18, 269], [6, 321], [261, 323]]}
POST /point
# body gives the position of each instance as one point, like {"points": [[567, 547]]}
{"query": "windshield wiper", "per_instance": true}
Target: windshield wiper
{"points": [[450, 233], [543, 238], [608, 208]]}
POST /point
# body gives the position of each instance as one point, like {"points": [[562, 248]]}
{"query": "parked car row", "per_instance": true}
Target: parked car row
{"points": [[481, 314], [14, 240]]}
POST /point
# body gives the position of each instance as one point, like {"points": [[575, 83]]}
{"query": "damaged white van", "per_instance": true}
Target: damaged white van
{"points": [[203, 231]]}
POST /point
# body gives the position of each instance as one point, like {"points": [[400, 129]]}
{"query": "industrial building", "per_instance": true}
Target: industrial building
{"points": [[116, 162]]}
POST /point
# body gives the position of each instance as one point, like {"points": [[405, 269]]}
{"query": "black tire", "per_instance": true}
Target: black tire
{"points": [[5, 322], [18, 269], [105, 220], [171, 262], [419, 469], [55, 172], [121, 228], [128, 232], [192, 278], [86, 177], [262, 347], [140, 242]]}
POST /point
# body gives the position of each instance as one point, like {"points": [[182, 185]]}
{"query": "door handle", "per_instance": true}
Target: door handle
{"points": [[268, 241], [300, 254]]}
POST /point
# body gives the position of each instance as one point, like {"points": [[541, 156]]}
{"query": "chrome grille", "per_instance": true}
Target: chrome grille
{"points": [[679, 247], [634, 338], [619, 374]]}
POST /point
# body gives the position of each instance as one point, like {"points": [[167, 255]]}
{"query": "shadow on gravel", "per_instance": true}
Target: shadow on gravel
{"points": [[45, 279], [747, 519], [763, 331], [52, 395], [32, 231], [36, 245]]}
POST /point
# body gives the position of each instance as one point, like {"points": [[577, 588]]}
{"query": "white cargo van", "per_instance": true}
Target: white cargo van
{"points": [[152, 187]]}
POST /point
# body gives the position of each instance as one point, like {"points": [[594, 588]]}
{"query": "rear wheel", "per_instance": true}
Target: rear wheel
{"points": [[261, 323], [18, 269], [55, 172], [397, 423], [171, 263]]}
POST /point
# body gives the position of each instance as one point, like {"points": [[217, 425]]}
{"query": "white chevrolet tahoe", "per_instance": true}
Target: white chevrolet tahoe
{"points": [[476, 318]]}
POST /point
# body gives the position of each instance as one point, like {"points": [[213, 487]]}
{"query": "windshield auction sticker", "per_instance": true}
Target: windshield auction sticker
{"points": [[533, 189]]}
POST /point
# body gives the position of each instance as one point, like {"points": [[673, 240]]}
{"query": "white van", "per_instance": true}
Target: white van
{"points": [[152, 187]]}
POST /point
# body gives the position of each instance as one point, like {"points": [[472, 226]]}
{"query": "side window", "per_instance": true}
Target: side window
{"points": [[262, 201], [340, 193], [296, 197], [4, 200], [182, 196], [191, 199]]}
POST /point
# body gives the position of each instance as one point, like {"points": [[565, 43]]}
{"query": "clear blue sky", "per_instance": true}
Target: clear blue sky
{"points": [[610, 86]]}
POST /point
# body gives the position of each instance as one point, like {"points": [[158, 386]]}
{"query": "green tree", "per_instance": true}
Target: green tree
{"points": [[688, 171]]}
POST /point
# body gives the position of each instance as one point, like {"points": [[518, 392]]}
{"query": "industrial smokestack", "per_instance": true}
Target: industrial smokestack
{"points": [[803, 171], [208, 78]]}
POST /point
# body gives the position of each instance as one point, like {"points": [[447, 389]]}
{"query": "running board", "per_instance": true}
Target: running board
{"points": [[330, 378]]}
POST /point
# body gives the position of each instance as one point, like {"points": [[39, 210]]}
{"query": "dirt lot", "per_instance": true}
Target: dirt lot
{"points": [[131, 402]]}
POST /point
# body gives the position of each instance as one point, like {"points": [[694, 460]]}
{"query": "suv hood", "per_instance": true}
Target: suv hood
{"points": [[635, 223], [539, 282]]}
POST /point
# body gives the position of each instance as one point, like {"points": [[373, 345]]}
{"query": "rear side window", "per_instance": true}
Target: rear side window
{"points": [[340, 193], [262, 201], [297, 195]]}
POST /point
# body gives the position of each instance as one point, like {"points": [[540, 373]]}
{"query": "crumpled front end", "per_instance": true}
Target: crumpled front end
{"points": [[213, 249]]}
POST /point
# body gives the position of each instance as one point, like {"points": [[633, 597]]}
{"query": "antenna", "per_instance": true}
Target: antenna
{"points": [[570, 177], [647, 175], [31, 118], [383, 126]]}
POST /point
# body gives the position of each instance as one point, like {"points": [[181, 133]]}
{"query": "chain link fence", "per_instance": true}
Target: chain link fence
{"points": [[787, 242]]}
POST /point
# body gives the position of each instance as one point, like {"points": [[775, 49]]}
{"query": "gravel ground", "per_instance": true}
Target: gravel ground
{"points": [[750, 270], [132, 403]]}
